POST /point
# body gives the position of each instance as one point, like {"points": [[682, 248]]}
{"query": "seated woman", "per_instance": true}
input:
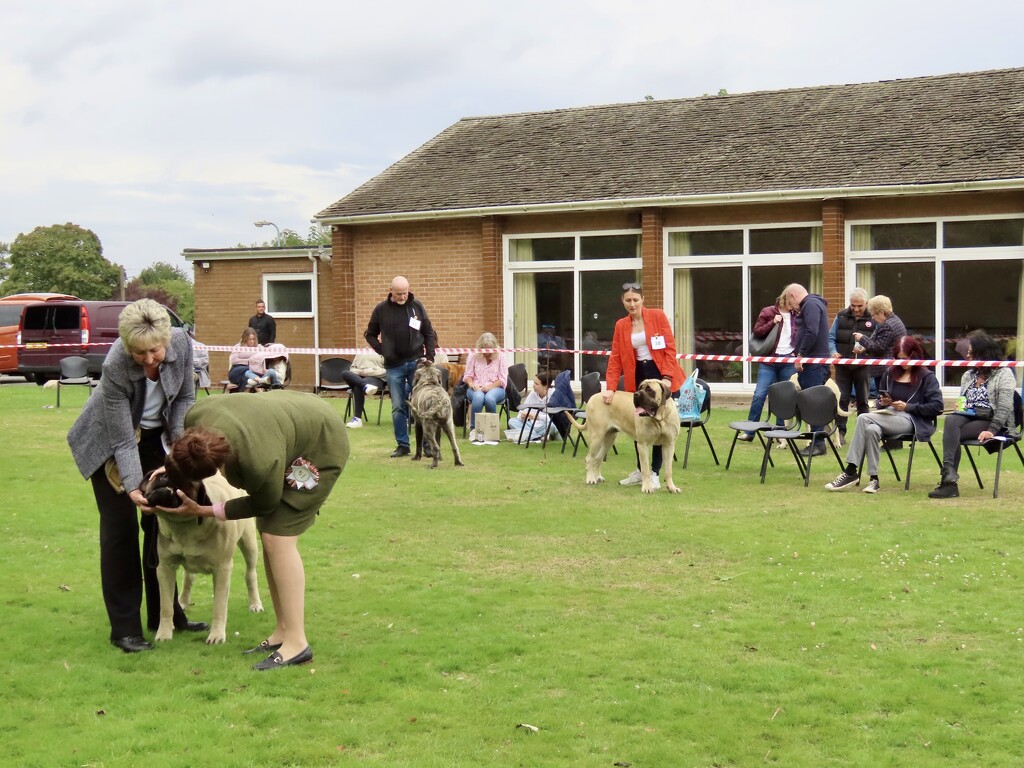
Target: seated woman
{"points": [[266, 366], [987, 394], [239, 358], [365, 377], [531, 413], [909, 400], [486, 375]]}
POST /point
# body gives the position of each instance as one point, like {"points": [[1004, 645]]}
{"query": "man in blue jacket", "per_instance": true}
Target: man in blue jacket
{"points": [[811, 341], [400, 331]]}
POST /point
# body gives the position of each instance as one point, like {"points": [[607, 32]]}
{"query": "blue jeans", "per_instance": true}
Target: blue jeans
{"points": [[478, 401], [768, 374], [400, 384]]}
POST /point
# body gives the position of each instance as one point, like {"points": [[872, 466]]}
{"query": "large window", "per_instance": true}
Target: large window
{"points": [[566, 294], [722, 278], [289, 295], [946, 278]]}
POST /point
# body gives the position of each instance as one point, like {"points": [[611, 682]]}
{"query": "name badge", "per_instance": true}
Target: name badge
{"points": [[657, 342], [414, 323]]}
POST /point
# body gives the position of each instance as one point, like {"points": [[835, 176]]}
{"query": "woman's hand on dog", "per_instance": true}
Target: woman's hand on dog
{"points": [[188, 507]]}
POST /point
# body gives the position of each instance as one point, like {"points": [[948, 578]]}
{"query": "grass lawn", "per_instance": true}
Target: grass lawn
{"points": [[735, 624]]}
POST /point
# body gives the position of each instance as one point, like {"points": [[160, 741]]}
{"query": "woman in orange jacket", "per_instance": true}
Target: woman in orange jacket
{"points": [[643, 347]]}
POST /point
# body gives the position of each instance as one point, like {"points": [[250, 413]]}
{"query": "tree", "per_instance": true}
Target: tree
{"points": [[63, 258], [317, 235], [5, 267], [168, 284]]}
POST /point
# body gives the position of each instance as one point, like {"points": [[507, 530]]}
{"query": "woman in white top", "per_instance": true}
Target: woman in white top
{"points": [[769, 373]]}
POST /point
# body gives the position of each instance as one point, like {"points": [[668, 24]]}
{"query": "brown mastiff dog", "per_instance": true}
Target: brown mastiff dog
{"points": [[649, 416]]}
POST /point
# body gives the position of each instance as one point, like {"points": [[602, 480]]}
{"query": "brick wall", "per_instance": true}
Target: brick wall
{"points": [[833, 257]]}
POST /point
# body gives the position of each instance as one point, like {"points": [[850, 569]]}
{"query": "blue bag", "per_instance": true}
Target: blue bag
{"points": [[691, 398]]}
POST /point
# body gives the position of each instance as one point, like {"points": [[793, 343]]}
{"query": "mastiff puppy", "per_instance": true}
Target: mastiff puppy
{"points": [[649, 415], [201, 545], [432, 409]]}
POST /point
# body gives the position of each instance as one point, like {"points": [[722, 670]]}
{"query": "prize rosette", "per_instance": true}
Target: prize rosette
{"points": [[302, 475]]}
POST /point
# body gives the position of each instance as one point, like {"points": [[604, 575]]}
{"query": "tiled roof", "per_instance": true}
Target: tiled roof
{"points": [[919, 131]]}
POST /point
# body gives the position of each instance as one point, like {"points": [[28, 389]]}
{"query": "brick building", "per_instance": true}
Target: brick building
{"points": [[913, 188]]}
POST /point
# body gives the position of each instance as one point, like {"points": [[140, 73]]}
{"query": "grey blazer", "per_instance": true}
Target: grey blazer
{"points": [[110, 417]]}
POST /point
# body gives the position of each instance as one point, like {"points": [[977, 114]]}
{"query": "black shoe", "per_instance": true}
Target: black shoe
{"points": [[745, 437], [193, 626], [945, 491], [818, 449], [263, 647], [132, 643], [275, 660], [400, 451]]}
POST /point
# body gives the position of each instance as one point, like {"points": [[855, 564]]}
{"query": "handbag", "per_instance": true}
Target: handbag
{"points": [[765, 346]]}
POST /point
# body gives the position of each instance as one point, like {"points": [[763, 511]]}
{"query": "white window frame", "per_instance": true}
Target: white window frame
{"points": [[310, 277], [743, 260], [576, 265], [937, 256]]}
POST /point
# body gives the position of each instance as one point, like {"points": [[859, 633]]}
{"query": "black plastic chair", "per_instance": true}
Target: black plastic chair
{"points": [[816, 406], [690, 424], [781, 405], [330, 375], [1013, 439], [74, 372], [518, 380]]}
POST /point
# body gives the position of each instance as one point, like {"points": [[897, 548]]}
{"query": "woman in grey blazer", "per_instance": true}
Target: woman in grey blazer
{"points": [[143, 394]]}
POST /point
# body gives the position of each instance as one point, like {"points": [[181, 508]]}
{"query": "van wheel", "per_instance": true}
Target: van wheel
{"points": [[40, 378]]}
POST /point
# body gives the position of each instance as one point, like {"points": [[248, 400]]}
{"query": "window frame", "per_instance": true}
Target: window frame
{"points": [[285, 277]]}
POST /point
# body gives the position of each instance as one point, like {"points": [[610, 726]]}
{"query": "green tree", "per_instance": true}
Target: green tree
{"points": [[168, 284], [5, 267], [317, 235], [63, 258]]}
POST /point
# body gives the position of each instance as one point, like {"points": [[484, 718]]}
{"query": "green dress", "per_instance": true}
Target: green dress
{"points": [[268, 433]]}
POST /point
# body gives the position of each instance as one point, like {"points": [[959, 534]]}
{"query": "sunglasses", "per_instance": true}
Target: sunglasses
{"points": [[632, 287]]}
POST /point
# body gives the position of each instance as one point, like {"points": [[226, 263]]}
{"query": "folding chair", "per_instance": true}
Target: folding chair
{"points": [[781, 405], [814, 406], [330, 375], [1013, 439], [518, 380], [74, 372]]}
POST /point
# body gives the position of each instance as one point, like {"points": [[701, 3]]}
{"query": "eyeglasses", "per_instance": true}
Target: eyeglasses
{"points": [[632, 287]]}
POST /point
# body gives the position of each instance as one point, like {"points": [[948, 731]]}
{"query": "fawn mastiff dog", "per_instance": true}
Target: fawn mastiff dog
{"points": [[432, 408], [650, 416], [201, 545]]}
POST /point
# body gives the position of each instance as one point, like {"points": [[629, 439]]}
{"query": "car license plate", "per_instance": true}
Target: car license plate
{"points": [[36, 345]]}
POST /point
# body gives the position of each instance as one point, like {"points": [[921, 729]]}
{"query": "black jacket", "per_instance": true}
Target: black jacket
{"points": [[265, 327], [391, 334], [812, 328], [846, 325], [924, 405]]}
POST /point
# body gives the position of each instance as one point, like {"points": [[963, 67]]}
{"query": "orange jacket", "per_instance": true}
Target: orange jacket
{"points": [[623, 357]]}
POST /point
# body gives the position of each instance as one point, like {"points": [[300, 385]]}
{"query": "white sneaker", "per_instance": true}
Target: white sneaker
{"points": [[265, 381], [655, 482], [472, 435], [355, 423], [634, 478], [250, 383], [370, 389]]}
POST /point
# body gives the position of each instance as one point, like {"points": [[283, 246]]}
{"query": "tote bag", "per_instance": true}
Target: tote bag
{"points": [[765, 346], [691, 398]]}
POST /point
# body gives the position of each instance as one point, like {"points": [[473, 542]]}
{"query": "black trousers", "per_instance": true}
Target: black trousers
{"points": [[856, 379], [125, 572], [648, 369]]}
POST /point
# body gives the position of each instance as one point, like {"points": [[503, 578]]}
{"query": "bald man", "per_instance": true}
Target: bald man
{"points": [[400, 331]]}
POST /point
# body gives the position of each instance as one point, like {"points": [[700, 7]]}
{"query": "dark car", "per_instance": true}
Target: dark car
{"points": [[57, 329], [10, 319]]}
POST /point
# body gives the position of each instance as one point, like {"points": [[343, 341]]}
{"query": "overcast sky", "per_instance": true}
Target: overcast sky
{"points": [[170, 125]]}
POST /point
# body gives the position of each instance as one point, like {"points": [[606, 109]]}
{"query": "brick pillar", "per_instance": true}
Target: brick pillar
{"points": [[652, 224], [833, 258], [340, 328], [490, 269]]}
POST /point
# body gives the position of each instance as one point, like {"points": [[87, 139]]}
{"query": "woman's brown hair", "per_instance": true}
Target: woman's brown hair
{"points": [[196, 455]]}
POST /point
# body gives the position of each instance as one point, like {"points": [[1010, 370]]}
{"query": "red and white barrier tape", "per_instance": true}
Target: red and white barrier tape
{"points": [[856, 361]]}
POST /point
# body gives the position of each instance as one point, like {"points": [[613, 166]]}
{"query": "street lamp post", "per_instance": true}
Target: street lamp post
{"points": [[277, 240]]}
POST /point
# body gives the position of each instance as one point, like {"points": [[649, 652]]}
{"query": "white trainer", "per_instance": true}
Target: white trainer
{"points": [[472, 435], [370, 389], [655, 482], [354, 423], [634, 478]]}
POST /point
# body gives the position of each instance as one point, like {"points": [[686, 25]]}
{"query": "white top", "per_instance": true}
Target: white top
{"points": [[154, 405], [785, 345], [639, 341]]}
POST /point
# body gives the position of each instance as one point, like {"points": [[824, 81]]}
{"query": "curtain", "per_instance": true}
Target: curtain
{"points": [[684, 316], [524, 324]]}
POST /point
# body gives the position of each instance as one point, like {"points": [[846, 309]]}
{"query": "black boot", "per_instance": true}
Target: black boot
{"points": [[945, 491]]}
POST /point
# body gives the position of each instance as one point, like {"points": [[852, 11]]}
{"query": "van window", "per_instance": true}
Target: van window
{"points": [[10, 314], [52, 318]]}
